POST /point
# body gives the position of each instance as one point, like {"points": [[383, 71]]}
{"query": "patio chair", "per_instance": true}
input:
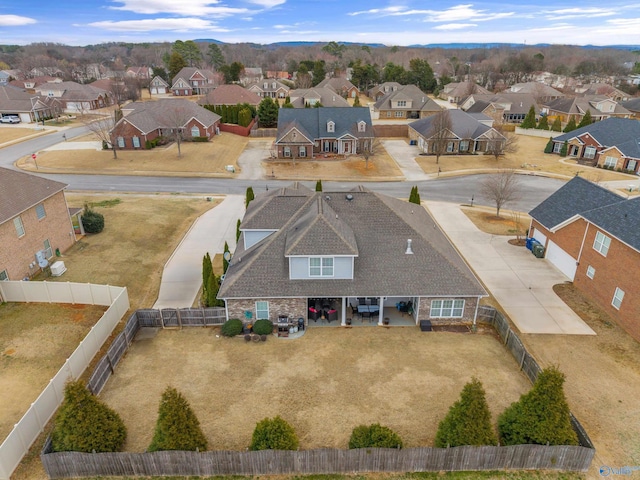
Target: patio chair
{"points": [[374, 300], [366, 315], [332, 315], [362, 301], [314, 314]]}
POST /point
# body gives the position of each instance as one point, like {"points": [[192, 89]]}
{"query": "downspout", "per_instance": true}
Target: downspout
{"points": [[584, 238], [475, 315]]}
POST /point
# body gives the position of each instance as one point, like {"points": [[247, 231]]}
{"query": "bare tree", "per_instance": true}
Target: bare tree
{"points": [[104, 129], [501, 143], [176, 118], [439, 134], [369, 150], [501, 188]]}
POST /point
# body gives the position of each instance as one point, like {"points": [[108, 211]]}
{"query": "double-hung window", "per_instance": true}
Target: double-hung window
{"points": [[618, 296], [601, 243], [4, 276], [262, 310], [40, 212], [17, 222], [590, 152], [610, 162], [447, 308], [321, 266]]}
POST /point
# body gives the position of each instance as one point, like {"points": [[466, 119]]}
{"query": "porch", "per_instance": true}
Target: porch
{"points": [[362, 311]]}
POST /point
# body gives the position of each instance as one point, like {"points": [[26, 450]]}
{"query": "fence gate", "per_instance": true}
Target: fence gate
{"points": [[170, 318]]}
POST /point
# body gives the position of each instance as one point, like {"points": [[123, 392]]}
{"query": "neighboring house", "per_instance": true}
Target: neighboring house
{"points": [[591, 235], [303, 97], [468, 133], [75, 97], [5, 77], [299, 248], [193, 81], [600, 107], [230, 94], [407, 102], [379, 91], [158, 86], [279, 75], [605, 89], [633, 106], [29, 107], [269, 87], [146, 121], [341, 86], [456, 92], [310, 132], [30, 84], [34, 220], [540, 91], [613, 143], [504, 107], [251, 75], [143, 73]]}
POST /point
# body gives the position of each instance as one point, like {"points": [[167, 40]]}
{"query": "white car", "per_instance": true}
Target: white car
{"points": [[10, 119]]}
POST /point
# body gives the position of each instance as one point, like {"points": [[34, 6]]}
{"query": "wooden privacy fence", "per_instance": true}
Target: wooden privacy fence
{"points": [[279, 462]]}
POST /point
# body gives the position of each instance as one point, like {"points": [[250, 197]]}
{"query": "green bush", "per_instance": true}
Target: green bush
{"points": [[199, 139], [177, 427], [92, 221], [570, 126], [273, 434], [263, 327], [85, 424], [565, 148], [374, 436], [530, 119], [549, 147], [232, 327], [541, 416], [468, 421]]}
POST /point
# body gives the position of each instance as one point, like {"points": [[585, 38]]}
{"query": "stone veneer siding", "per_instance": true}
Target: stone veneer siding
{"points": [[291, 307]]}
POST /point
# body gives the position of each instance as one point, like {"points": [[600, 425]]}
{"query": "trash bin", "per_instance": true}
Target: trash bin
{"points": [[538, 251]]}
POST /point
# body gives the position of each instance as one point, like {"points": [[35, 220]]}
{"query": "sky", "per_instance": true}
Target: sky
{"points": [[390, 22]]}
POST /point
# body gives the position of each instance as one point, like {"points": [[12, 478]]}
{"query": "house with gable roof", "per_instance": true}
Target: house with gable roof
{"points": [[27, 106], [75, 97], [503, 107], [456, 92], [313, 132], [309, 97], [319, 256], [341, 86], [600, 107], [269, 87], [381, 90], [230, 94], [158, 86], [406, 102], [591, 235], [192, 81]]}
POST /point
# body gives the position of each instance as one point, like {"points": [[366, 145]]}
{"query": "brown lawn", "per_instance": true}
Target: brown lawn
{"points": [[196, 159], [324, 383], [8, 134], [508, 223]]}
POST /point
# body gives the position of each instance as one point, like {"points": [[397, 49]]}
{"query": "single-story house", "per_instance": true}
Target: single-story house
{"points": [[311, 255], [143, 73], [145, 121], [303, 97], [504, 107], [540, 91], [406, 102], [323, 131], [341, 86], [613, 143], [75, 97], [591, 235], [468, 133], [269, 87], [158, 86], [456, 92], [605, 89], [633, 106], [29, 107], [600, 107], [230, 94], [193, 81], [34, 223]]}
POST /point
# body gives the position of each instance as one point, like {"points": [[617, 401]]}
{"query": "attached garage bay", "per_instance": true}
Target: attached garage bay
{"points": [[561, 260]]}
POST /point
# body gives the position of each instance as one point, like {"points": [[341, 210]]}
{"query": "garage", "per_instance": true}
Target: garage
{"points": [[561, 260], [158, 90], [539, 236]]}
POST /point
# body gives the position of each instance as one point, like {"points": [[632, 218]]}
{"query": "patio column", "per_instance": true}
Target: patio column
{"points": [[343, 321], [381, 311]]}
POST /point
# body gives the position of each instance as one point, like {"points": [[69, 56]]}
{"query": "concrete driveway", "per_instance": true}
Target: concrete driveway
{"points": [[250, 160], [520, 282], [404, 155]]}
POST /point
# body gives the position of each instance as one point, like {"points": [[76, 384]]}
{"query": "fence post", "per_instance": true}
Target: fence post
{"points": [[524, 354], [506, 337], [179, 318]]}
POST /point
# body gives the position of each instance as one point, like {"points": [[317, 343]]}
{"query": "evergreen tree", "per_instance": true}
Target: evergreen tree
{"points": [[414, 196], [215, 55], [177, 427], [176, 63], [213, 285], [556, 126], [225, 262], [85, 424], [586, 120], [421, 75], [468, 421], [319, 72], [268, 113], [530, 119], [564, 149], [549, 147], [543, 124], [248, 196], [356, 101], [274, 434], [206, 273], [541, 416], [319, 186], [570, 126], [238, 232]]}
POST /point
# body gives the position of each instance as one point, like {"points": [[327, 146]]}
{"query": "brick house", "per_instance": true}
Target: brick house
{"points": [[406, 102], [34, 217], [591, 235], [75, 97], [193, 81], [269, 87], [341, 86], [318, 255], [230, 94]]}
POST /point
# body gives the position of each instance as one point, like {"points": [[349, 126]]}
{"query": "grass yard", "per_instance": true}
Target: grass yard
{"points": [[8, 134], [197, 159], [35, 340], [324, 384], [529, 156], [508, 223]]}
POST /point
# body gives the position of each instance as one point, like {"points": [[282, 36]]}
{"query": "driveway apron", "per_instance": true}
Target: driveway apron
{"points": [[404, 155]]}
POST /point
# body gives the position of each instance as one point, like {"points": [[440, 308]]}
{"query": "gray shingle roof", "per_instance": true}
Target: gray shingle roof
{"points": [[463, 125], [72, 91], [575, 197], [632, 105], [515, 103], [15, 100], [314, 121], [149, 116], [420, 101], [326, 96], [620, 220], [230, 95], [623, 133], [20, 191], [580, 105], [380, 225]]}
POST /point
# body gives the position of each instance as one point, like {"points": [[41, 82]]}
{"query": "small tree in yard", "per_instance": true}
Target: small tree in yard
{"points": [[564, 149], [206, 273], [414, 196], [440, 133], [570, 126], [374, 436], [319, 186], [543, 124], [586, 120], [501, 188], [177, 427], [92, 221], [530, 119], [541, 416], [213, 285], [556, 126], [268, 113], [238, 232], [468, 421], [356, 101], [248, 196], [501, 144], [225, 262], [274, 434], [85, 424], [549, 146]]}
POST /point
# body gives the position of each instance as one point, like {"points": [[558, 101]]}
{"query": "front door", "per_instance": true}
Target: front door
{"points": [[346, 147]]}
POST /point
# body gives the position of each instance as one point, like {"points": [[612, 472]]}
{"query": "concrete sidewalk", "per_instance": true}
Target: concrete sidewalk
{"points": [[520, 282], [182, 274], [404, 155]]}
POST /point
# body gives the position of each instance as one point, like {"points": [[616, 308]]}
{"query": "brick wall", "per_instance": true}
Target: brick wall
{"points": [[568, 238], [17, 253], [291, 307], [467, 314]]}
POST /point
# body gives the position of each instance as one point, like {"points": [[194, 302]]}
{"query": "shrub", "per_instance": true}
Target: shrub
{"points": [[319, 186], [530, 119], [570, 126], [249, 196], [92, 221], [273, 434], [177, 427], [199, 139], [374, 436], [231, 327], [541, 416], [85, 424], [549, 147], [556, 126], [263, 327], [543, 124], [564, 149], [468, 421]]}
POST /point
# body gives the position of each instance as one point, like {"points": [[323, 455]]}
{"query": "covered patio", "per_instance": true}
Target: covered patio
{"points": [[362, 311]]}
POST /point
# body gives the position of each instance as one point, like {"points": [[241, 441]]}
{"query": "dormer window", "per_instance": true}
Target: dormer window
{"points": [[331, 127], [265, 85], [362, 126], [273, 85]]}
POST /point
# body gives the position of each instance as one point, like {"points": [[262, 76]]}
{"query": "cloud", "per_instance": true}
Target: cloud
{"points": [[456, 13], [293, 26], [376, 11], [175, 24], [268, 3], [15, 21], [590, 12], [190, 7], [455, 26]]}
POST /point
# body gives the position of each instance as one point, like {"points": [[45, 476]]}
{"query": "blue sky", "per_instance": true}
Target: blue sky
{"points": [[392, 22]]}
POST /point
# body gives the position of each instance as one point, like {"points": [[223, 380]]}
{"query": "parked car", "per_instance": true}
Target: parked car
{"points": [[10, 119]]}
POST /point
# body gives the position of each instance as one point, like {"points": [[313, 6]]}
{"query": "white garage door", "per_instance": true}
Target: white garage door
{"points": [[541, 237], [154, 91], [561, 259]]}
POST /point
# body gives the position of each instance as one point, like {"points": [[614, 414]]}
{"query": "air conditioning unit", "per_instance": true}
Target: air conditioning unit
{"points": [[58, 268]]}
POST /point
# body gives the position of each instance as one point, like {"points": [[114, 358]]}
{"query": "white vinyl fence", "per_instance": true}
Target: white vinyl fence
{"points": [[26, 431], [534, 132]]}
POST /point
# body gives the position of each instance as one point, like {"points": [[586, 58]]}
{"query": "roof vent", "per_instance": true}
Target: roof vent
{"points": [[408, 251], [327, 197], [349, 197]]}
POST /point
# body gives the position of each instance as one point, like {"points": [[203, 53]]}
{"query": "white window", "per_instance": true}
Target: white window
{"points": [[610, 162], [362, 126], [449, 147], [557, 147], [303, 151], [591, 272], [136, 142], [262, 310], [399, 114], [48, 253], [327, 146], [402, 103], [4, 276], [40, 213], [617, 298], [331, 127], [321, 266], [589, 152], [195, 131], [17, 222], [464, 145], [287, 151], [121, 142], [601, 243], [631, 165], [388, 114], [447, 308]]}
